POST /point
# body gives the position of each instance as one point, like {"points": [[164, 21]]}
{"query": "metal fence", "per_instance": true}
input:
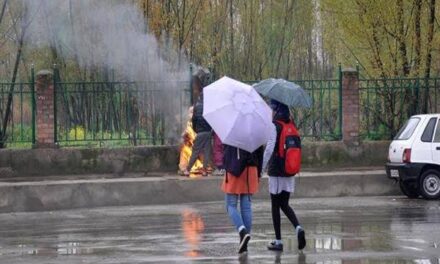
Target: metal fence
{"points": [[116, 113], [120, 113], [323, 121], [385, 104], [19, 121], [154, 113]]}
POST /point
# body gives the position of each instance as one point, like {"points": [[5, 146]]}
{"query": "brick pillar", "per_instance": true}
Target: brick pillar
{"points": [[350, 107], [45, 137]]}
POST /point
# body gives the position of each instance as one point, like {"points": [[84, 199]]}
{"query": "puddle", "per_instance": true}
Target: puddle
{"points": [[203, 233], [68, 248]]}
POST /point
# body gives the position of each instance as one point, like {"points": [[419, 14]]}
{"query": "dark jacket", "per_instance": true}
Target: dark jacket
{"points": [[276, 164], [198, 121], [236, 160]]}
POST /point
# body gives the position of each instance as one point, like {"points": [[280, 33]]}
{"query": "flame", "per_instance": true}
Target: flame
{"points": [[186, 150]]}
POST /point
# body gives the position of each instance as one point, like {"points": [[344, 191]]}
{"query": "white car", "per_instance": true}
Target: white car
{"points": [[414, 157]]}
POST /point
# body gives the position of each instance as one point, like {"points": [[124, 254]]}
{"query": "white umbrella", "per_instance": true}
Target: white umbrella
{"points": [[237, 113]]}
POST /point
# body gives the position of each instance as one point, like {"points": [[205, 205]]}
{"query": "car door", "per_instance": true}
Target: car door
{"points": [[435, 146], [422, 147]]}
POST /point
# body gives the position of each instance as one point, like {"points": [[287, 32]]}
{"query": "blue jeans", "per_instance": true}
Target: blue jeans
{"points": [[244, 217]]}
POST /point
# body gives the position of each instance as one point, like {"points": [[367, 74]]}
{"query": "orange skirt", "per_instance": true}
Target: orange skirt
{"points": [[247, 183]]}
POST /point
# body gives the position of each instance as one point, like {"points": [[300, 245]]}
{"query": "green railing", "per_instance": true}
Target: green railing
{"points": [[120, 113], [385, 104], [113, 113], [20, 125], [323, 121]]}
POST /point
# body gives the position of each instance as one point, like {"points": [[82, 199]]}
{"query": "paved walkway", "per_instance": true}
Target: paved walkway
{"points": [[339, 230]]}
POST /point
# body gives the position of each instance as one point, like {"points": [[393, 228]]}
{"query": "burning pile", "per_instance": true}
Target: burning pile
{"points": [[186, 149]]}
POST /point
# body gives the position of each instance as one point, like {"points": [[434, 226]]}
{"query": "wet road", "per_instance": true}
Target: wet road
{"points": [[339, 230]]}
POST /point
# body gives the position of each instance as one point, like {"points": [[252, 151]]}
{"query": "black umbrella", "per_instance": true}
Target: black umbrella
{"points": [[285, 92]]}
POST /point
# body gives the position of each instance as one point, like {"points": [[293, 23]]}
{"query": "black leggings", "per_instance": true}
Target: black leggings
{"points": [[281, 201]]}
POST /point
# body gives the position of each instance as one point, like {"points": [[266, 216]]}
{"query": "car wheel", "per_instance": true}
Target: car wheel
{"points": [[409, 190], [429, 186]]}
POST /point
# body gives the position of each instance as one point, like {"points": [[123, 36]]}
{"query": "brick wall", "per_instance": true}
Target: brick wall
{"points": [[45, 110], [350, 106]]}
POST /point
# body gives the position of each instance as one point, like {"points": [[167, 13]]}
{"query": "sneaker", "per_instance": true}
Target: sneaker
{"points": [[186, 173], [244, 240], [245, 249], [218, 172], [301, 239], [274, 246]]}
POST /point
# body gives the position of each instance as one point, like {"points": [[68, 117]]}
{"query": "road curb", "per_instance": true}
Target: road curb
{"points": [[72, 194]]}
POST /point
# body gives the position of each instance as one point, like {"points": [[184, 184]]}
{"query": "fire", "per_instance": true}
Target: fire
{"points": [[186, 149]]}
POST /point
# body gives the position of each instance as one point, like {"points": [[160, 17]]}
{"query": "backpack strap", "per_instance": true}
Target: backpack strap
{"points": [[280, 138]]}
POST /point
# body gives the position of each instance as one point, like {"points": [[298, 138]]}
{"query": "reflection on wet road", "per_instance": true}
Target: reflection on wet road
{"points": [[339, 230], [192, 227]]}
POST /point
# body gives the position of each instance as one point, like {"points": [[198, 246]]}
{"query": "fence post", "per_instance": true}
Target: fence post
{"points": [[33, 102], [191, 90], [340, 101], [350, 107], [55, 78], [45, 110]]}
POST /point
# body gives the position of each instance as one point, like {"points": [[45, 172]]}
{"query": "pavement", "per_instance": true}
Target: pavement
{"points": [[386, 229], [89, 191]]}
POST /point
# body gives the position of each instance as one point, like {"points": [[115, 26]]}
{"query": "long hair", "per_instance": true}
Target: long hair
{"points": [[281, 110]]}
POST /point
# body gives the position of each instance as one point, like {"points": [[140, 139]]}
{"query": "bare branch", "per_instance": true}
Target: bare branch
{"points": [[2, 13]]}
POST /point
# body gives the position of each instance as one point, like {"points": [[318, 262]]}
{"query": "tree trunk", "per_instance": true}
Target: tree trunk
{"points": [[417, 41], [8, 112], [74, 46], [376, 49], [401, 38], [431, 23], [231, 38], [2, 13], [283, 37], [182, 29]]}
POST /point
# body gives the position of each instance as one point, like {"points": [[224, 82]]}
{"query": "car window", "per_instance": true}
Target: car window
{"points": [[437, 134], [408, 129], [429, 130]]}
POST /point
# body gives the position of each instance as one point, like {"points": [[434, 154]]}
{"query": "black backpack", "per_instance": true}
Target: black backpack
{"points": [[236, 160]]}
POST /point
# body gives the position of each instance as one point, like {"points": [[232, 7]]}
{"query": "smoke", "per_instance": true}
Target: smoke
{"points": [[111, 35], [102, 34]]}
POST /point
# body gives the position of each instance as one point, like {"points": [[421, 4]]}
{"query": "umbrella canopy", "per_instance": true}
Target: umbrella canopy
{"points": [[288, 93], [237, 113]]}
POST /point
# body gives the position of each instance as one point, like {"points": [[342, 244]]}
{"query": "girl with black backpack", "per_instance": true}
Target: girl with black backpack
{"points": [[241, 181]]}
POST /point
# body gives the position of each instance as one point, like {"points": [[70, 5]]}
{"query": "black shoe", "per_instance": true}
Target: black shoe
{"points": [[301, 239], [245, 249], [244, 240], [274, 246]]}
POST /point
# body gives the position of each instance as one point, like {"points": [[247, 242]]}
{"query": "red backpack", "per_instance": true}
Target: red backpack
{"points": [[289, 148]]}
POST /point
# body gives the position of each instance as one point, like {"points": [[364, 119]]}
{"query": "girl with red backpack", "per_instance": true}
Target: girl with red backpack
{"points": [[282, 158]]}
